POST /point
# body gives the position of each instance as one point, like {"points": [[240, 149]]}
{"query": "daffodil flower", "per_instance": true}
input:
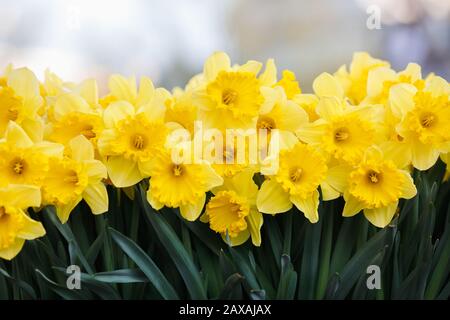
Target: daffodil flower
{"points": [[131, 139], [232, 210], [374, 185], [180, 184], [23, 161], [301, 171], [74, 177], [424, 125], [20, 101], [15, 225]]}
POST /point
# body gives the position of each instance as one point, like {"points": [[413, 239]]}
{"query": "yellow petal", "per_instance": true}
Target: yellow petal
{"points": [[17, 136], [117, 111], [239, 239], [401, 97], [292, 117], [437, 86], [254, 223], [153, 202], [408, 188], [218, 61], [337, 177], [308, 206], [24, 83], [376, 79], [269, 76], [398, 152], [352, 206], [21, 196], [412, 70], [68, 103], [49, 149], [270, 96], [325, 85], [381, 217], [10, 252], [63, 211], [251, 66], [88, 89], [96, 196], [312, 133], [328, 192], [123, 88], [329, 107], [146, 91], [123, 172], [212, 178], [272, 198], [81, 148], [424, 156], [31, 229], [192, 211], [34, 128]]}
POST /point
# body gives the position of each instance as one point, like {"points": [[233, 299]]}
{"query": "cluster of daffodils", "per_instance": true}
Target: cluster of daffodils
{"points": [[358, 136]]}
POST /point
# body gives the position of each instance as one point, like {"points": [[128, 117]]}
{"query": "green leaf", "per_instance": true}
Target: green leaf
{"points": [[146, 264]]}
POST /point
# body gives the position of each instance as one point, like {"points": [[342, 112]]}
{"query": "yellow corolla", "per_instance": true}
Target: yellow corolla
{"points": [[424, 128], [15, 225], [74, 177], [301, 171], [20, 101], [290, 84], [230, 97], [23, 161], [130, 140], [343, 131], [354, 82], [181, 185], [232, 210], [374, 185], [72, 116]]}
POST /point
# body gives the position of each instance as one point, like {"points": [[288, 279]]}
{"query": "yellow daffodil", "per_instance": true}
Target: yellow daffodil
{"points": [[15, 225], [180, 184], [20, 101], [290, 84], [230, 96], [374, 185], [232, 210], [23, 161], [74, 177], [130, 140], [301, 171], [72, 116], [344, 132], [424, 128]]}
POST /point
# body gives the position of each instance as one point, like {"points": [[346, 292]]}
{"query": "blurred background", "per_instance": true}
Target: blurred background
{"points": [[168, 40]]}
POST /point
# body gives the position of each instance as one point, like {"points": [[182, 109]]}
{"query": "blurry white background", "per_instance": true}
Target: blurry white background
{"points": [[169, 39]]}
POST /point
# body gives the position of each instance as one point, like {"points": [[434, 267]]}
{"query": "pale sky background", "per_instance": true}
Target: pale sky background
{"points": [[169, 40]]}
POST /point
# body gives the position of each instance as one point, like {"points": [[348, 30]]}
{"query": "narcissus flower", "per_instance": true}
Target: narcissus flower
{"points": [[343, 131], [374, 185], [15, 225], [23, 161], [180, 184], [74, 177], [301, 171], [424, 127], [230, 96], [232, 210], [130, 140]]}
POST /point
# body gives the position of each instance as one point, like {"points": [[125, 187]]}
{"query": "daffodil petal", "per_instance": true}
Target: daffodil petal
{"points": [[272, 198], [192, 211], [12, 250], [408, 188], [381, 217], [63, 211], [117, 111], [309, 206], [254, 223], [96, 196], [31, 229], [326, 85], [81, 148], [123, 172], [218, 61], [352, 206]]}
